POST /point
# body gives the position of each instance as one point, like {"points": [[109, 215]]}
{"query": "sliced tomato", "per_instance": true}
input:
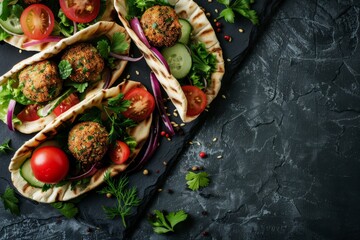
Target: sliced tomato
{"points": [[196, 99], [80, 11], [29, 113], [66, 104], [119, 152], [142, 104], [37, 21], [49, 164]]}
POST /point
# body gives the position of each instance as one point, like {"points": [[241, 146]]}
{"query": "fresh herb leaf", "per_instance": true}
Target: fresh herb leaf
{"points": [[165, 223], [137, 7], [65, 26], [119, 44], [3, 34], [80, 87], [197, 180], [68, 209], [117, 104], [10, 201], [240, 6], [104, 48], [126, 198], [5, 146], [204, 64], [65, 69], [4, 9], [93, 114], [118, 127]]}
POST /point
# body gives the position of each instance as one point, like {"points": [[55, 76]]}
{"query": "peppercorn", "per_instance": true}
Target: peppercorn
{"points": [[163, 133], [227, 38], [202, 154], [218, 24]]}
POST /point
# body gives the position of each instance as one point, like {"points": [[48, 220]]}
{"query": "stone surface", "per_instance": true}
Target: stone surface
{"points": [[281, 139]]}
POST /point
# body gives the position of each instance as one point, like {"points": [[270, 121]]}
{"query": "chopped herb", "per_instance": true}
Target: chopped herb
{"points": [[80, 87], [10, 201], [5, 146], [165, 223], [117, 104], [93, 114], [65, 69], [68, 209], [119, 44], [126, 198], [197, 180], [240, 6]]}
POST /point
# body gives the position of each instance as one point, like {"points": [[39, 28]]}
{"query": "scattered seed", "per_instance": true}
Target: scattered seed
{"points": [[209, 1], [195, 168], [162, 133], [223, 96], [218, 24], [128, 76], [160, 190], [191, 143], [175, 114], [214, 139], [108, 195], [218, 157], [228, 38], [169, 139], [137, 72], [182, 124], [229, 60], [20, 51], [164, 163], [216, 10], [208, 14], [241, 30]]}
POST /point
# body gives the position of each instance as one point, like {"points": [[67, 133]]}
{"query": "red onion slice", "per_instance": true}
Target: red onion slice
{"points": [[125, 58], [107, 78], [45, 40], [136, 26], [151, 146], [10, 114], [159, 103], [86, 174], [160, 57]]}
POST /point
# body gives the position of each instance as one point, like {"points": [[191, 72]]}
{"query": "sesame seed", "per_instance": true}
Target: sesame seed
{"points": [[175, 114], [20, 51], [218, 157], [223, 96], [128, 76], [160, 190], [169, 139], [229, 60], [146, 172], [241, 30], [208, 14], [137, 72], [182, 124], [214, 139], [164, 163], [216, 10], [191, 143]]}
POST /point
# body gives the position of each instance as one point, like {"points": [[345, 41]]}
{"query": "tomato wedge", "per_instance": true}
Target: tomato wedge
{"points": [[142, 104], [49, 164], [196, 99], [119, 152], [66, 104], [37, 21], [80, 11], [29, 113]]}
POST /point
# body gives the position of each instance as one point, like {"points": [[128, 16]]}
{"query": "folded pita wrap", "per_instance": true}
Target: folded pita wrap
{"points": [[67, 192], [202, 32], [94, 31], [19, 40]]}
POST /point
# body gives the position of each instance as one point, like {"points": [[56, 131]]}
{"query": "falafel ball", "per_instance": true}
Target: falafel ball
{"points": [[31, 1], [161, 26], [40, 82], [88, 142], [86, 62]]}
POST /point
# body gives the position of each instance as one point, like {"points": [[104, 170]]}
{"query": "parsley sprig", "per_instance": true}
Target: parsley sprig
{"points": [[240, 6], [195, 181], [5, 146], [68, 209], [126, 198], [165, 223], [10, 201]]}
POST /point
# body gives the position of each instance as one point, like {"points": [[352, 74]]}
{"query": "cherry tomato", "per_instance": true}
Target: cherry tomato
{"points": [[196, 99], [66, 104], [37, 21], [119, 152], [49, 164], [80, 11], [29, 113], [142, 104]]}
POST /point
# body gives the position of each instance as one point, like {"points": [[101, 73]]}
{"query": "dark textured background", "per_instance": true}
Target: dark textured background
{"points": [[287, 130]]}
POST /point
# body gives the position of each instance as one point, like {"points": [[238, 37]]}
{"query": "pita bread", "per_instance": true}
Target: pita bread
{"points": [[94, 31], [202, 32], [66, 192], [19, 40]]}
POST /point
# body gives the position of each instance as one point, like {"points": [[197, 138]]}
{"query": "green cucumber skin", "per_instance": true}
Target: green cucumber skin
{"points": [[179, 59], [186, 30], [27, 174]]}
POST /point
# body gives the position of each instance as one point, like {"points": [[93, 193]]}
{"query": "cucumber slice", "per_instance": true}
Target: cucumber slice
{"points": [[27, 173], [179, 59], [186, 30], [48, 108]]}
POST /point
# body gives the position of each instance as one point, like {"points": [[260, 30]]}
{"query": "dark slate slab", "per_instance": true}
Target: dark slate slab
{"points": [[42, 221]]}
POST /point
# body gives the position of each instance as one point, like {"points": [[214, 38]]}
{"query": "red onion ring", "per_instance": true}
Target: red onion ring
{"points": [[107, 78], [136, 26], [10, 114], [160, 57], [86, 174], [125, 58], [45, 40], [159, 103]]}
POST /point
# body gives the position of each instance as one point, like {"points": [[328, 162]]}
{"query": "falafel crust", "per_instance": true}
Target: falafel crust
{"points": [[88, 142], [161, 26], [86, 62], [40, 82]]}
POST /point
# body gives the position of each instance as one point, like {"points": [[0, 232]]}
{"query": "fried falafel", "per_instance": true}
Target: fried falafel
{"points": [[161, 26], [40, 82], [86, 62]]}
